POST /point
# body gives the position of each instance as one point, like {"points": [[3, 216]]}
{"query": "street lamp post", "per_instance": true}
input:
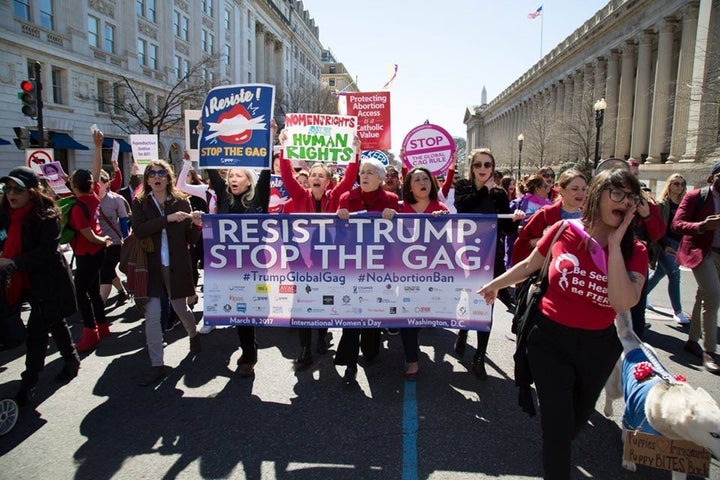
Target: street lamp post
{"points": [[599, 107], [520, 137]]}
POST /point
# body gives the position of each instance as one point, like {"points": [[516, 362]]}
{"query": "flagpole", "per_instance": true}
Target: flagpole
{"points": [[542, 20]]}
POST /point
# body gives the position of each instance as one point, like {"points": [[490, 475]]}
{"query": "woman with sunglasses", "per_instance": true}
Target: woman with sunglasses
{"points": [[478, 194], [163, 213], [662, 252], [598, 269], [37, 273], [318, 197]]}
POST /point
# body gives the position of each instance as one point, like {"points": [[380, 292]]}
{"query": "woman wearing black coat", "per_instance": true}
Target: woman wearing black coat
{"points": [[38, 273], [477, 194]]}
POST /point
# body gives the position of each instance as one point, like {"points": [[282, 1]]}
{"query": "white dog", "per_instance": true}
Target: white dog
{"points": [[658, 404]]}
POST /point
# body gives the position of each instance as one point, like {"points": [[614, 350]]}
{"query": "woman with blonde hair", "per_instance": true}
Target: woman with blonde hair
{"points": [[662, 252]]}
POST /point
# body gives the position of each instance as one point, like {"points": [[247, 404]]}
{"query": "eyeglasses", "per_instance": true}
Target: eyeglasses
{"points": [[618, 195], [392, 175], [16, 190], [482, 164], [160, 173], [548, 175], [678, 184]]}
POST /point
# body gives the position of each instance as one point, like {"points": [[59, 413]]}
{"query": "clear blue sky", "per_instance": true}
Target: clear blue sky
{"points": [[445, 50]]}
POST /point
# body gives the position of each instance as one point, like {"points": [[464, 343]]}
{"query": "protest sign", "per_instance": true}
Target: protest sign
{"points": [[317, 271], [372, 110], [428, 146], [666, 454], [192, 133], [236, 126], [144, 148], [377, 155], [278, 194], [317, 137], [55, 177]]}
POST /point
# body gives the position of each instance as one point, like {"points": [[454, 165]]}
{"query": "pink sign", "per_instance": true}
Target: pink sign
{"points": [[428, 146]]}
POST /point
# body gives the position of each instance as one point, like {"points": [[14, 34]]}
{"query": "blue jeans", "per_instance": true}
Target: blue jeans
{"points": [[666, 266]]}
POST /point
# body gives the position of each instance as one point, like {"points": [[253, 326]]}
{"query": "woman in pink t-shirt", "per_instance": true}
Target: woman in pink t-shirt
{"points": [[597, 269]]}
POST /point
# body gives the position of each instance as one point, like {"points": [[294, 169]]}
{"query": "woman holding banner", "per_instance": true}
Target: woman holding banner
{"points": [[242, 191], [319, 197], [421, 196], [367, 197], [478, 194]]}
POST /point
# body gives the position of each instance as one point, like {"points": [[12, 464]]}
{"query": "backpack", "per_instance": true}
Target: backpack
{"points": [[66, 205]]}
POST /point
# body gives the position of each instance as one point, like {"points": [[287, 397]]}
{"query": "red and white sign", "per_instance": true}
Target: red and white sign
{"points": [[373, 112], [428, 146], [34, 157]]}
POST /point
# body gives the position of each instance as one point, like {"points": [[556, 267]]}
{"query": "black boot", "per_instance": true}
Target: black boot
{"points": [[460, 343], [69, 370], [478, 366], [350, 374], [305, 357]]}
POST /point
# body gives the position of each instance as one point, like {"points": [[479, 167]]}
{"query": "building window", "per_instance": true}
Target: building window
{"points": [[47, 18], [184, 28], [207, 40], [22, 9], [140, 7], [152, 56], [146, 8], [332, 69], [227, 17], [118, 97], [102, 100], [58, 92], [178, 72], [176, 22], [142, 49], [149, 102], [249, 77], [331, 82], [207, 7], [249, 51], [150, 12], [109, 38], [93, 26], [227, 53]]}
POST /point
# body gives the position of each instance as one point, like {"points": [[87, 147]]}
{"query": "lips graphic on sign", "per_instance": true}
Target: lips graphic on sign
{"points": [[231, 115]]}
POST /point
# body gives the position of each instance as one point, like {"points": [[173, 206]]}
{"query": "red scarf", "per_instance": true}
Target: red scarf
{"points": [[13, 247]]}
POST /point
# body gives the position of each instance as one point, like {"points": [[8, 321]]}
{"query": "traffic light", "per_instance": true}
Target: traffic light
{"points": [[28, 96]]}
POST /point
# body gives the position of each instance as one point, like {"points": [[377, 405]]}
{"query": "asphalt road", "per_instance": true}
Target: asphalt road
{"points": [[203, 421]]}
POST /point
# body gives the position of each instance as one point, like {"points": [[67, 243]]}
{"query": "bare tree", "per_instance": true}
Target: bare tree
{"points": [[312, 99], [136, 108], [541, 133], [580, 132]]}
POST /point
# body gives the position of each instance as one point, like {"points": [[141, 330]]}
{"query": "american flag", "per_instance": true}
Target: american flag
{"points": [[535, 14]]}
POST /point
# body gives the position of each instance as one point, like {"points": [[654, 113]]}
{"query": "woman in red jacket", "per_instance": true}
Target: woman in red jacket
{"points": [[320, 197], [368, 197]]}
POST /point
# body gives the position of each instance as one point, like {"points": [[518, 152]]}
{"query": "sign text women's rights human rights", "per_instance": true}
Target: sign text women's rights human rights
{"points": [[428, 146], [236, 126], [317, 271], [317, 137]]}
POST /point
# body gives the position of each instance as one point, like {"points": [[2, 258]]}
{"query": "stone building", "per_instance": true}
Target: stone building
{"points": [[84, 46], [655, 63]]}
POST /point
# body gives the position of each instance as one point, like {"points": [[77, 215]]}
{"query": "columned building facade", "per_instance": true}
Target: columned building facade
{"points": [[85, 46], [654, 62]]}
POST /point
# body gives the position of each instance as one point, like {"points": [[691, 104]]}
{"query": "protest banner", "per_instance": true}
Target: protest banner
{"points": [[372, 110], [317, 271], [144, 148], [428, 146], [317, 137], [236, 126]]}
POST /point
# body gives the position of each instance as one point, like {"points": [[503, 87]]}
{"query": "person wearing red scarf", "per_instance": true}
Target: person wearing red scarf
{"points": [[38, 274]]}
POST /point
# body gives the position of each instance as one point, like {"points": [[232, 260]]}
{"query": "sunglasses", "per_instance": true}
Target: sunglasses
{"points": [[618, 195], [678, 184], [14, 189], [481, 165], [548, 175], [160, 173]]}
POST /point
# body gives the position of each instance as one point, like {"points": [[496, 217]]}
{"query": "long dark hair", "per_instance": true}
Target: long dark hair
{"points": [[44, 206], [407, 183], [618, 178]]}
